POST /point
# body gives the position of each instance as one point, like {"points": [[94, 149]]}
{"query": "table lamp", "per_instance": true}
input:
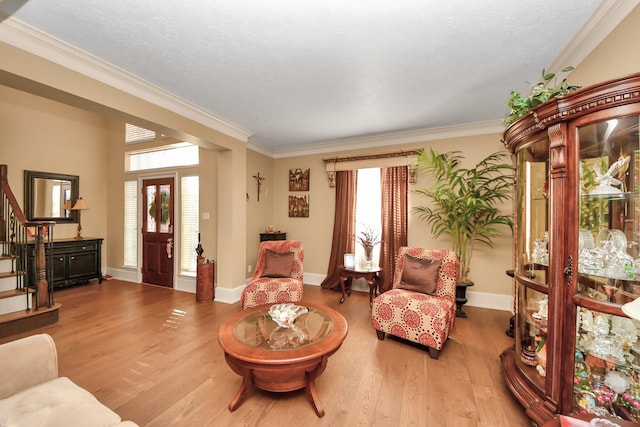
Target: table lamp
{"points": [[80, 205]]}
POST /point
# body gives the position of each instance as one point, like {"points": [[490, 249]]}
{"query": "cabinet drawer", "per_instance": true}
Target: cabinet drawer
{"points": [[83, 247]]}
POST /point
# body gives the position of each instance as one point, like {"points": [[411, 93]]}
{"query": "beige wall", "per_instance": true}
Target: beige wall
{"points": [[35, 75], [616, 56], [260, 214], [43, 135], [316, 231]]}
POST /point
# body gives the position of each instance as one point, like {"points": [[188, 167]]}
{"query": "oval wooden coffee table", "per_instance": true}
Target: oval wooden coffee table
{"points": [[279, 359]]}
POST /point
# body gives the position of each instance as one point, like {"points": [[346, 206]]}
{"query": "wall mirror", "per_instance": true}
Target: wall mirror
{"points": [[49, 196]]}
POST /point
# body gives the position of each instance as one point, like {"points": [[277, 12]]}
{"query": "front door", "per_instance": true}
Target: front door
{"points": [[157, 231]]}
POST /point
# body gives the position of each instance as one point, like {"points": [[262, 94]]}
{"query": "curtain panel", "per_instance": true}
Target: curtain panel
{"points": [[344, 224], [394, 189]]}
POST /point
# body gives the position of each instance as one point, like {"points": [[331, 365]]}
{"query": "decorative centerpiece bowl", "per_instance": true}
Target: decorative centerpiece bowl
{"points": [[285, 314]]}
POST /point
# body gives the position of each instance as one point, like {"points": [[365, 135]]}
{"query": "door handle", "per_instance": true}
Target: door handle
{"points": [[169, 247]]}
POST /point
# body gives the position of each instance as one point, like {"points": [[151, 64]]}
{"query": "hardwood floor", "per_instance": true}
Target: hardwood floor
{"points": [[152, 355]]}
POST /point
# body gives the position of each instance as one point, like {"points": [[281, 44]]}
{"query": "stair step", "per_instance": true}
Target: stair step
{"points": [[6, 262], [27, 320], [15, 300], [8, 281]]}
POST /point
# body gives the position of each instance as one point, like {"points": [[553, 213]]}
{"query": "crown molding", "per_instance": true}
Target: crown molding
{"points": [[29, 39], [389, 139], [603, 21], [255, 145]]}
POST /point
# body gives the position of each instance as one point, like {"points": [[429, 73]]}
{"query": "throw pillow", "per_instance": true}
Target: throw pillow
{"points": [[420, 275], [277, 264]]}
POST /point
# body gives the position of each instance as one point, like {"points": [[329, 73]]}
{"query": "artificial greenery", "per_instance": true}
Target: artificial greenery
{"points": [[544, 90], [464, 200]]}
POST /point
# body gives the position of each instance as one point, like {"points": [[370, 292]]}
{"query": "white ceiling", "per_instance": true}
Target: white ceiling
{"points": [[297, 73]]}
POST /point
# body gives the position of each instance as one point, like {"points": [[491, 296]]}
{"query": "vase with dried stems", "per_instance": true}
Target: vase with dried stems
{"points": [[368, 238]]}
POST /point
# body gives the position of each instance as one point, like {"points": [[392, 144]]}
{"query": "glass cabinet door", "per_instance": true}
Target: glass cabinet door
{"points": [[532, 212], [531, 339], [532, 260], [607, 362]]}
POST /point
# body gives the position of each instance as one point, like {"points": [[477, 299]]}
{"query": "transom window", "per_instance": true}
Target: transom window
{"points": [[175, 155]]}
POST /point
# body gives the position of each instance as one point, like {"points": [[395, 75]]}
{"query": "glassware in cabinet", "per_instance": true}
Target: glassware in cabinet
{"points": [[609, 230], [531, 337], [607, 365], [607, 354]]}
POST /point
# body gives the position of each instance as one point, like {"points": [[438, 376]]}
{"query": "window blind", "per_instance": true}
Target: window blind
{"points": [[130, 224], [135, 133], [189, 209]]}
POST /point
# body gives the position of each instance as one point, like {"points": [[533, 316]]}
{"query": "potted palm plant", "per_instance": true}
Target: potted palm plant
{"points": [[465, 203]]}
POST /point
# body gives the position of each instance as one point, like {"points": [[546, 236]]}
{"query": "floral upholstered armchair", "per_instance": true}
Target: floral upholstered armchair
{"points": [[278, 276], [421, 305]]}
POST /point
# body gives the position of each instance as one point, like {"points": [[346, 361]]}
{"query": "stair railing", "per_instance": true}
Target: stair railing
{"points": [[15, 231]]}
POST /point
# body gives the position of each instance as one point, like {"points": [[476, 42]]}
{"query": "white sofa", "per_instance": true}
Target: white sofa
{"points": [[32, 394]]}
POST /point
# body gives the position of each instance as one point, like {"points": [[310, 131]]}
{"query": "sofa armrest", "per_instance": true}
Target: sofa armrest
{"points": [[27, 362]]}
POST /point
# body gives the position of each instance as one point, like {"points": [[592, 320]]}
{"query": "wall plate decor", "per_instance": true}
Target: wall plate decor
{"points": [[298, 206], [299, 179]]}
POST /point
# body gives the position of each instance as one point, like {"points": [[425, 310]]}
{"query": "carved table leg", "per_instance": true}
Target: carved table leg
{"points": [[346, 290], [245, 387], [312, 392], [342, 288], [374, 287]]}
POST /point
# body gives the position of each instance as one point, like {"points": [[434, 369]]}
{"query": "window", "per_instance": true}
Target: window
{"points": [[189, 209], [368, 208], [130, 224], [183, 154], [135, 134]]}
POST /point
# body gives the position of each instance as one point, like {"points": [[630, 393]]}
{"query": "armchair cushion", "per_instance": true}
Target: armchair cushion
{"points": [[56, 402], [277, 264], [420, 275]]}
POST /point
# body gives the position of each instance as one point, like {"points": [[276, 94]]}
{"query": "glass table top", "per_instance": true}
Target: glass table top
{"points": [[258, 330]]}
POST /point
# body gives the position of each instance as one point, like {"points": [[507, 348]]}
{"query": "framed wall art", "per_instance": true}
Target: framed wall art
{"points": [[298, 206], [299, 179]]}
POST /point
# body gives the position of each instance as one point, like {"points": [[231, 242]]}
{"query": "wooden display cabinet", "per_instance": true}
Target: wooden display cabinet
{"points": [[577, 254]]}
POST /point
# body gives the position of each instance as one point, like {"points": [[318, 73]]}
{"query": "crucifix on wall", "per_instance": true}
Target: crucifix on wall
{"points": [[260, 180]]}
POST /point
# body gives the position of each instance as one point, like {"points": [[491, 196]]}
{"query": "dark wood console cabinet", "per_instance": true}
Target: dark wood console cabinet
{"points": [[273, 236], [74, 261]]}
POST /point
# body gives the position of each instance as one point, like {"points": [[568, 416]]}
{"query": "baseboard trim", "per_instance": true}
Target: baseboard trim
{"points": [[492, 301], [232, 295]]}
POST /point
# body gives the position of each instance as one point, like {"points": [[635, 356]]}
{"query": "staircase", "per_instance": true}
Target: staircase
{"points": [[23, 306]]}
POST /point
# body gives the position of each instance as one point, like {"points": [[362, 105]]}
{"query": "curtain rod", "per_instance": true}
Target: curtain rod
{"points": [[410, 152]]}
